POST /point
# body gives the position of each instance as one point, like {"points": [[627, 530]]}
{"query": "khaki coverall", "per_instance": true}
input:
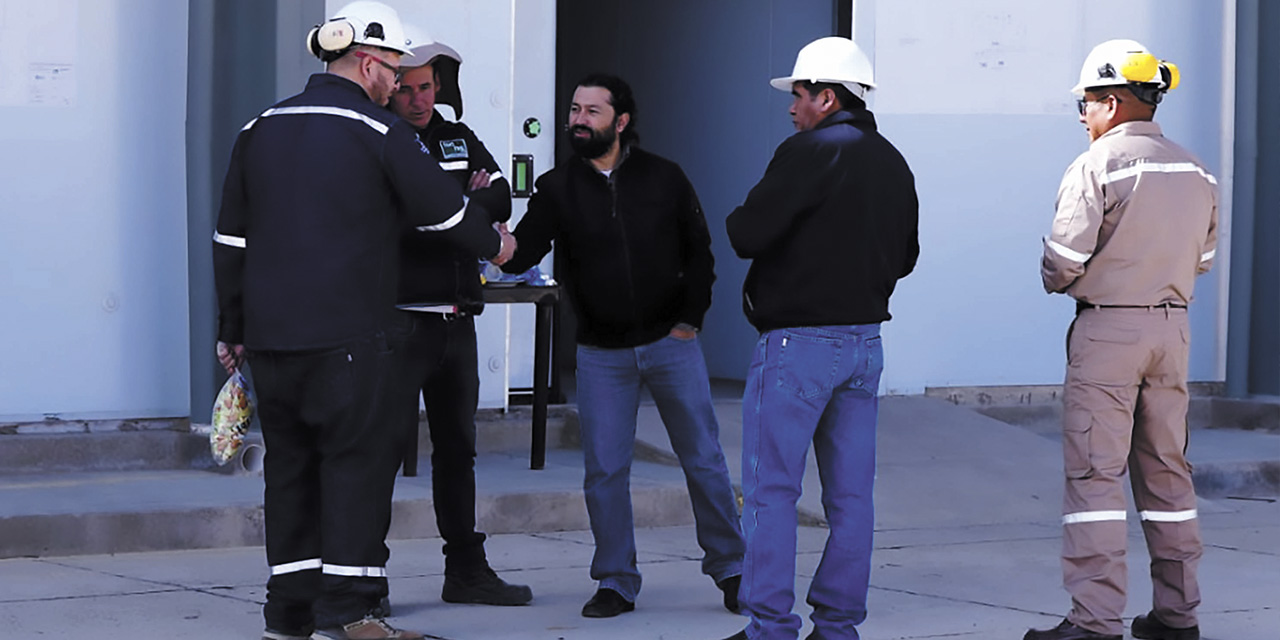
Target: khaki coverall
{"points": [[1136, 222]]}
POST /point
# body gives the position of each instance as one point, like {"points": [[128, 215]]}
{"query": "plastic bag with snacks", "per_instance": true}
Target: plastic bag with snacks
{"points": [[232, 411]]}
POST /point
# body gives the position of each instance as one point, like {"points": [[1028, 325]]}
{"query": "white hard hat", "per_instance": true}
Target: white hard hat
{"points": [[1126, 63], [363, 22], [832, 59], [424, 48], [444, 60]]}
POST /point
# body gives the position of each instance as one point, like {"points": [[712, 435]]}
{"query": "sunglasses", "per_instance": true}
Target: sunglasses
{"points": [[1083, 105]]}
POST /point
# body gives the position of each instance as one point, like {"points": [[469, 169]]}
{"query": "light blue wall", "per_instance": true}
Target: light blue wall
{"points": [[93, 252], [974, 312]]}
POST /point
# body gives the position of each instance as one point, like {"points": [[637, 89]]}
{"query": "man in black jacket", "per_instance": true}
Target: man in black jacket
{"points": [[638, 253], [318, 190], [440, 293], [837, 198]]}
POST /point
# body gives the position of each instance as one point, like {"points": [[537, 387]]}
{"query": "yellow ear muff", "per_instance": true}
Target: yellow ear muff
{"points": [[1141, 67], [1173, 76]]}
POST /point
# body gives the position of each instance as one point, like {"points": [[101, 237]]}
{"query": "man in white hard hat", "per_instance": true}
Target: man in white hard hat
{"points": [[305, 266], [440, 293], [836, 198], [639, 271], [1136, 222]]}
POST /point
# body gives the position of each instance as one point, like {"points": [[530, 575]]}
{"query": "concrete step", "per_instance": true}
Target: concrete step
{"points": [[56, 447], [94, 488], [78, 513], [1234, 448]]}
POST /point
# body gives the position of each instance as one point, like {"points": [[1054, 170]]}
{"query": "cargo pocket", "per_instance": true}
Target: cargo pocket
{"points": [[1076, 428]]}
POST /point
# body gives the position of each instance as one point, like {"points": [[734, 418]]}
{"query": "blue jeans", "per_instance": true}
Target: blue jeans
{"points": [[608, 399], [809, 384]]}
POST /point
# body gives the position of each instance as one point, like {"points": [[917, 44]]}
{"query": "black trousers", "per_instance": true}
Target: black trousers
{"points": [[332, 456], [437, 358]]}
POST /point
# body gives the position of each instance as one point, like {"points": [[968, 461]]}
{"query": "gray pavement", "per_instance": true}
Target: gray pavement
{"points": [[966, 547]]}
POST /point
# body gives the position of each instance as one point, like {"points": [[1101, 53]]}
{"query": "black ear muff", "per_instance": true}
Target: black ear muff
{"points": [[313, 42]]}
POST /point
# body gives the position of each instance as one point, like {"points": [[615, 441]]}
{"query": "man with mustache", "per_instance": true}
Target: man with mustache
{"points": [[1136, 222], [639, 271]]}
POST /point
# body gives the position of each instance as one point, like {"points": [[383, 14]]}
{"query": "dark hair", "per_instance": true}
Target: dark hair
{"points": [[848, 101], [620, 98]]}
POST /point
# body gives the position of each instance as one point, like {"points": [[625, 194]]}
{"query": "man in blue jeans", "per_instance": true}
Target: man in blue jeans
{"points": [[837, 198], [639, 272]]}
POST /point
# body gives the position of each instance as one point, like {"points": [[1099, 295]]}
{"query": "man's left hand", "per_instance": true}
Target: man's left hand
{"points": [[479, 180]]}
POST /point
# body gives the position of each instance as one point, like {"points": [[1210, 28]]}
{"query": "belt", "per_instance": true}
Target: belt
{"points": [[447, 311], [1082, 305]]}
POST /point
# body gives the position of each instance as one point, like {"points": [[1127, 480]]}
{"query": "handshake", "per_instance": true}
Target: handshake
{"points": [[508, 244]]}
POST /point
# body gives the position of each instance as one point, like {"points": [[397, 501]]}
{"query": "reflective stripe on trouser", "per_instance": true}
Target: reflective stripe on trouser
{"points": [[1125, 409], [329, 471]]}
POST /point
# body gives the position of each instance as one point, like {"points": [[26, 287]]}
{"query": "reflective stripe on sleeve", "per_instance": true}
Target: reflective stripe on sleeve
{"points": [[294, 567], [447, 224], [456, 165], [1168, 516], [328, 111], [230, 241], [1157, 167], [1208, 255], [496, 176], [1068, 252], [355, 572], [1093, 516]]}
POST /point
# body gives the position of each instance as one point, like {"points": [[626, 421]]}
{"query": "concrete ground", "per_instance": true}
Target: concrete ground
{"points": [[966, 547]]}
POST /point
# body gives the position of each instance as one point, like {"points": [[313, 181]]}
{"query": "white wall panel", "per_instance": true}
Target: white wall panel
{"points": [[93, 252], [976, 96]]}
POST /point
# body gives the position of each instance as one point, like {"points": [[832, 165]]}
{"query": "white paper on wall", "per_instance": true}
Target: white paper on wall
{"points": [[38, 53], [976, 57]]}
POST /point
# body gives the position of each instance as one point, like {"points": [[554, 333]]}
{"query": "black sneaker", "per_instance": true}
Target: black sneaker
{"points": [[483, 586], [730, 588], [1149, 627], [1066, 631], [606, 603]]}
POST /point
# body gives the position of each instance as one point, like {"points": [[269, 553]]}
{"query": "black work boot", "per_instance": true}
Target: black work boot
{"points": [[1066, 631], [606, 603], [483, 586], [1149, 627], [730, 587]]}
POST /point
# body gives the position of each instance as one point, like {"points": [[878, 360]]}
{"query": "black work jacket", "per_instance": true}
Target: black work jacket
{"points": [[635, 243], [319, 189], [830, 228], [434, 270]]}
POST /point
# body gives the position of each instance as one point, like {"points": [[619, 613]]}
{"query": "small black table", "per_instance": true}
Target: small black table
{"points": [[546, 379]]}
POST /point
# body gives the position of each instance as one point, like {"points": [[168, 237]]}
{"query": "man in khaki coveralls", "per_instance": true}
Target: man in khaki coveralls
{"points": [[1136, 222]]}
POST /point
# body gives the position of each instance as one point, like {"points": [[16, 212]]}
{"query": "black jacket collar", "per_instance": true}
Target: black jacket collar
{"points": [[858, 117]]}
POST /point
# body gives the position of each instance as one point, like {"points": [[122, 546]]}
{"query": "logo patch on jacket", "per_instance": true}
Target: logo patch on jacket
{"points": [[453, 149]]}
